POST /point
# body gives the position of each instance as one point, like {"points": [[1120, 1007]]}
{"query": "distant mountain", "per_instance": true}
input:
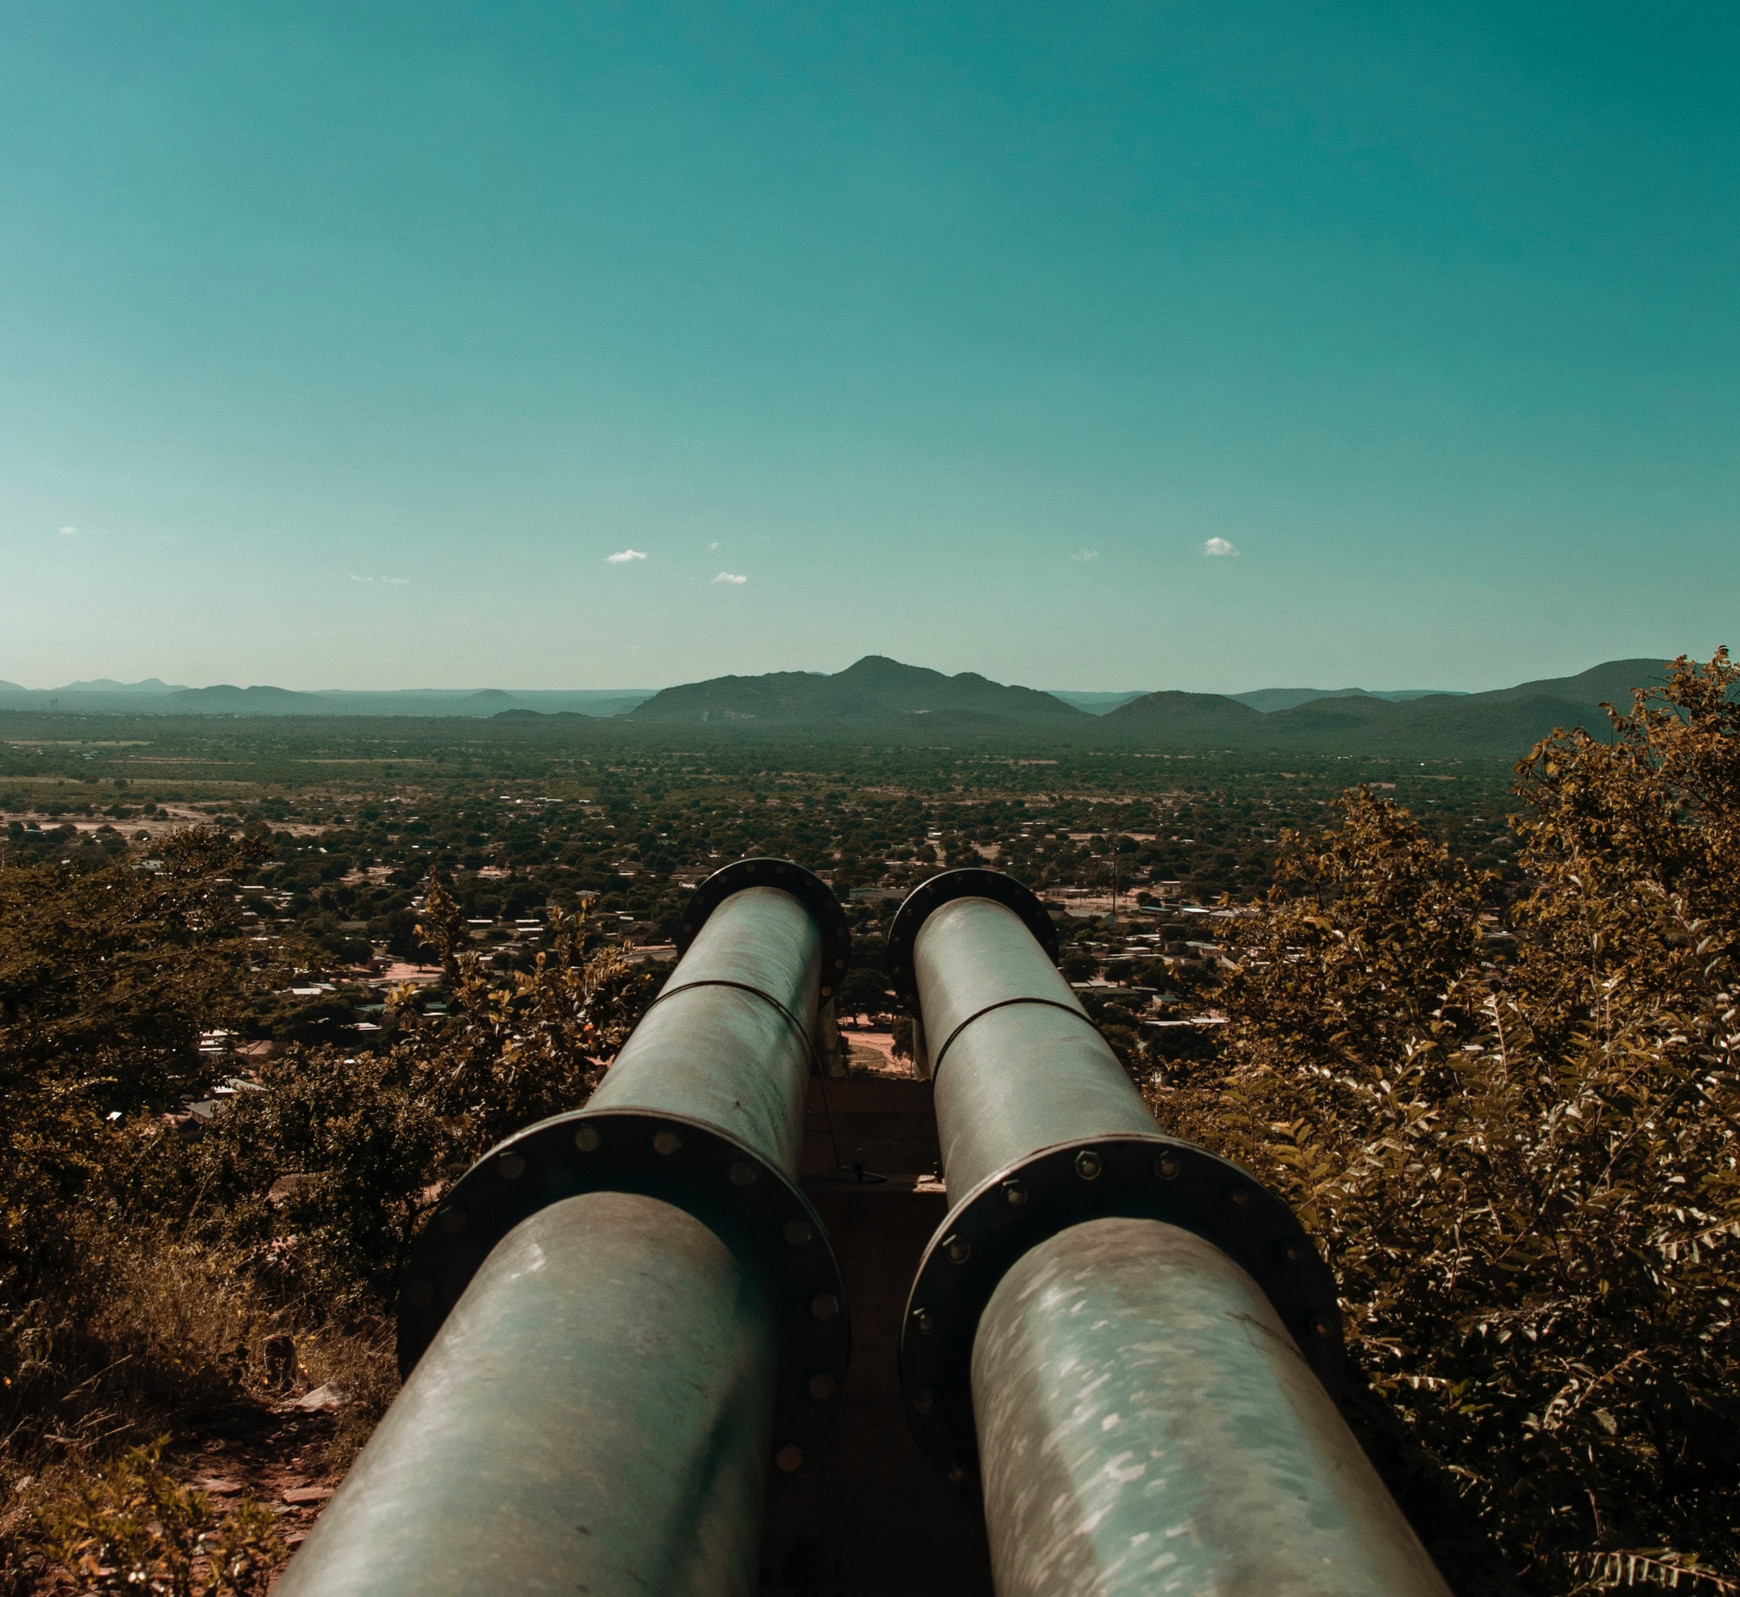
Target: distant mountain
{"points": [[1268, 700], [227, 700], [1505, 720], [886, 700], [102, 696], [612, 704], [1194, 715], [876, 689], [1611, 683], [110, 685], [444, 702]]}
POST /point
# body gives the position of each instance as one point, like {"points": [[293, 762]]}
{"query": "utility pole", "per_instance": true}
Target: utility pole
{"points": [[1114, 881]]}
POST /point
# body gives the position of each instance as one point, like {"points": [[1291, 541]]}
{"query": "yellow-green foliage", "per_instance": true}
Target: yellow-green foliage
{"points": [[326, 1173], [141, 1271], [1512, 1127], [105, 978], [130, 1527]]}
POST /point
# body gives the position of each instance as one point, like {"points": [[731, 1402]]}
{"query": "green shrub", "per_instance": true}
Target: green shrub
{"points": [[1520, 1155], [129, 1527]]}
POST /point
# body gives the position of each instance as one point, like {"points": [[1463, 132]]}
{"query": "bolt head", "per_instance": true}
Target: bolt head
{"points": [[1088, 1165], [1166, 1167], [452, 1221], [790, 1458], [822, 1385], [741, 1173], [925, 1320], [796, 1233], [958, 1249], [666, 1142], [956, 1472], [511, 1166], [1292, 1253], [824, 1306], [587, 1138], [1239, 1197], [1322, 1326], [1014, 1194], [924, 1399]]}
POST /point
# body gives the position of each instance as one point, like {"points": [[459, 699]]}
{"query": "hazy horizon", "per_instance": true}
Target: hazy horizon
{"points": [[1149, 344], [75, 683]]}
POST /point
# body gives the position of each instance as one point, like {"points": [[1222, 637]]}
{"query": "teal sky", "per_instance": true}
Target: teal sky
{"points": [[341, 344]]}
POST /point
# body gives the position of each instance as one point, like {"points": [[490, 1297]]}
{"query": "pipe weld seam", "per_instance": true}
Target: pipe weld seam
{"points": [[742, 987], [1003, 1003]]}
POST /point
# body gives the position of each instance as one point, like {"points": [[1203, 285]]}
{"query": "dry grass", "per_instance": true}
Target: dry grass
{"points": [[169, 1339]]}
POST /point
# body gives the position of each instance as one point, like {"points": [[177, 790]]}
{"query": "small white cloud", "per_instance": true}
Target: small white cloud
{"points": [[397, 582], [731, 577], [1219, 546], [623, 556], [69, 532], [355, 578], [713, 546], [1085, 554]]}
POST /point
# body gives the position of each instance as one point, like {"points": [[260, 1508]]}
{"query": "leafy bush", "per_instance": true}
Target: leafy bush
{"points": [[130, 1527], [144, 1272], [328, 1169], [1513, 1129]]}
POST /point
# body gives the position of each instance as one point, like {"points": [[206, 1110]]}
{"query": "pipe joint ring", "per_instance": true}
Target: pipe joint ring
{"points": [[806, 887], [969, 882], [1135, 1175], [696, 1167]]}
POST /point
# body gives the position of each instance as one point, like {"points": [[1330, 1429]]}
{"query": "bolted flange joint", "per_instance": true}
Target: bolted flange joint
{"points": [[692, 1163], [809, 890], [694, 1166], [969, 882], [1137, 1176]]}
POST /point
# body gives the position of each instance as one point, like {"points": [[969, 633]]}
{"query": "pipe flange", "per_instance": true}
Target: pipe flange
{"points": [[683, 1162], [1136, 1176], [971, 881], [808, 889]]}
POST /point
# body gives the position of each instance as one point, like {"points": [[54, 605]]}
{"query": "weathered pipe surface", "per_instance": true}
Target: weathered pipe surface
{"points": [[713, 1051], [611, 1311], [1146, 1425], [594, 1417], [1030, 1070]]}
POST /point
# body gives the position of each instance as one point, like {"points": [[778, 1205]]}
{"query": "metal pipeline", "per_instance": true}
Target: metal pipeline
{"points": [[1129, 1343], [622, 1320]]}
